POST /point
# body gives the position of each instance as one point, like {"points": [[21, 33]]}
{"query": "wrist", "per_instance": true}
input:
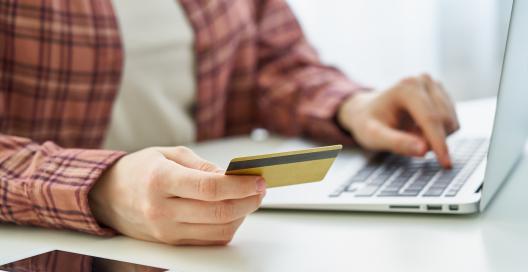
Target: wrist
{"points": [[348, 109], [98, 200]]}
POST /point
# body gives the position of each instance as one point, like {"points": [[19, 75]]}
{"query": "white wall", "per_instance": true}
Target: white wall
{"points": [[379, 41]]}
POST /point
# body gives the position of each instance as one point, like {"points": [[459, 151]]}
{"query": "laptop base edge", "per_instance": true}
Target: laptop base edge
{"points": [[421, 208]]}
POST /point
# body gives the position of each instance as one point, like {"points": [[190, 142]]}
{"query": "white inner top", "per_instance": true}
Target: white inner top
{"points": [[157, 91]]}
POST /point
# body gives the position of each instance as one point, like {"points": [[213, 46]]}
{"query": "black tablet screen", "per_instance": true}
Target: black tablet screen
{"points": [[61, 261]]}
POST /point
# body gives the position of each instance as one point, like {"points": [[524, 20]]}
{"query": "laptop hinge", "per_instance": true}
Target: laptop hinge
{"points": [[479, 188]]}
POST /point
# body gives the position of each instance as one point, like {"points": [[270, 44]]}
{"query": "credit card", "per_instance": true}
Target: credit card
{"points": [[287, 168]]}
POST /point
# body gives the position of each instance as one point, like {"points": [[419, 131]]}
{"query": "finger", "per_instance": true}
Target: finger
{"points": [[191, 183], [193, 211], [210, 232], [424, 113], [442, 93], [442, 102], [386, 138], [186, 157]]}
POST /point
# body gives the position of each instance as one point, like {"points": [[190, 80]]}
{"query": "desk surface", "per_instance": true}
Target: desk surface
{"points": [[496, 240]]}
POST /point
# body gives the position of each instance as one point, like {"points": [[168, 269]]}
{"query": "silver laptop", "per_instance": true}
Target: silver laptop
{"points": [[481, 161]]}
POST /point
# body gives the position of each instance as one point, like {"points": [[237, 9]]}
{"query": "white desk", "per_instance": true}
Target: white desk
{"points": [[496, 240]]}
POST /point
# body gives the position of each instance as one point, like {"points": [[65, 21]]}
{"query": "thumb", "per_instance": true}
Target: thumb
{"points": [[397, 141], [187, 158]]}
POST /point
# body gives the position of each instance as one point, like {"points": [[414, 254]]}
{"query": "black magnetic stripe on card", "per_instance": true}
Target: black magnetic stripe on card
{"points": [[282, 160]]}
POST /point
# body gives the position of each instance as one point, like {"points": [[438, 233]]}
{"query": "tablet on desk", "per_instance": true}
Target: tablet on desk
{"points": [[61, 261]]}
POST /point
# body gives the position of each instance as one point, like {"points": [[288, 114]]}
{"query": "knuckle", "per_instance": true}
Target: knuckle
{"points": [[182, 150], [371, 129], [158, 234], [410, 81], [224, 211], [368, 135], [245, 187], [154, 178], [163, 236], [401, 145], [453, 125], [206, 166], [208, 188], [153, 213], [433, 117], [427, 78], [151, 150], [457, 125], [448, 118]]}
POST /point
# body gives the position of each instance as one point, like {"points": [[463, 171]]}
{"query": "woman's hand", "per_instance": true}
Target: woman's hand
{"points": [[410, 118], [170, 195]]}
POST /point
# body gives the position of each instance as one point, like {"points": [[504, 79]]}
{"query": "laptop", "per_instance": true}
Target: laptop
{"points": [[482, 160]]}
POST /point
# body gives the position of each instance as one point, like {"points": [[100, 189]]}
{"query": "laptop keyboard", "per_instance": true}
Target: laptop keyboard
{"points": [[389, 175]]}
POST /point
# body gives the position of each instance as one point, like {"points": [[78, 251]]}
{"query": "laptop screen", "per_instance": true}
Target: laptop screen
{"points": [[511, 118]]}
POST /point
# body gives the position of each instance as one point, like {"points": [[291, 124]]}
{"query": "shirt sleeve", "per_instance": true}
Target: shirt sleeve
{"points": [[298, 95], [46, 185]]}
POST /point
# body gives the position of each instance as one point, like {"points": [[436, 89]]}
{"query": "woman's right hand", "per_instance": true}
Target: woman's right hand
{"points": [[170, 195]]}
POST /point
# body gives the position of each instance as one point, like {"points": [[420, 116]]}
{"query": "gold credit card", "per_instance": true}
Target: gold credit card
{"points": [[287, 168]]}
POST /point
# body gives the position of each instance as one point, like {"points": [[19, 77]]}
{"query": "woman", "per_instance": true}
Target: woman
{"points": [[221, 68]]}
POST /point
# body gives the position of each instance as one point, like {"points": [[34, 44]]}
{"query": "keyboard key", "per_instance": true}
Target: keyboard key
{"points": [[376, 183], [451, 192], [335, 194], [354, 186], [434, 191], [407, 174], [385, 174], [419, 183], [367, 190], [380, 180], [389, 193], [397, 183], [365, 172], [442, 182], [397, 194], [410, 192], [338, 191]]}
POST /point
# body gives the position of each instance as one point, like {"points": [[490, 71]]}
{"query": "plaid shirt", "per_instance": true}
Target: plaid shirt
{"points": [[60, 66]]}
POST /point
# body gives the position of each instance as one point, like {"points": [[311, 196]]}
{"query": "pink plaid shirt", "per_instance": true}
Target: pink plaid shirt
{"points": [[60, 66]]}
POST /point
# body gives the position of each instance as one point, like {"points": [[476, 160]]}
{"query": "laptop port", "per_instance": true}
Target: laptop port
{"points": [[453, 207], [434, 207], [404, 207]]}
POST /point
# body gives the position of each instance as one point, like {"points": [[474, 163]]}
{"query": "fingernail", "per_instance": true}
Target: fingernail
{"points": [[262, 195], [261, 185]]}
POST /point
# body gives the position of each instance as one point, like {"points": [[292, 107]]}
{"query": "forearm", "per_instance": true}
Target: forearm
{"points": [[298, 95]]}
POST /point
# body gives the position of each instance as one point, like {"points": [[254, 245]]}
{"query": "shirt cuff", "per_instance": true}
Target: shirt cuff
{"points": [[59, 187]]}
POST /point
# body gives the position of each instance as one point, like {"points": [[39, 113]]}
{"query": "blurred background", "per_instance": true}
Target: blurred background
{"points": [[377, 42]]}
